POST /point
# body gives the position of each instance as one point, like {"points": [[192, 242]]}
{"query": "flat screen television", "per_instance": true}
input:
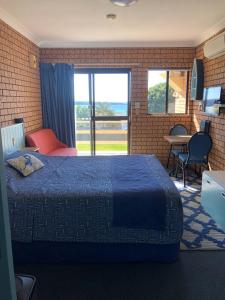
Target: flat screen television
{"points": [[211, 96]]}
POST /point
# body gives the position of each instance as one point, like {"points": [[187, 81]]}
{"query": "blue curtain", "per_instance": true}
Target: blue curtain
{"points": [[57, 95]]}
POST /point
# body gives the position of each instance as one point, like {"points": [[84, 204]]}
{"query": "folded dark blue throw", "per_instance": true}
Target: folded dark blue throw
{"points": [[139, 200]]}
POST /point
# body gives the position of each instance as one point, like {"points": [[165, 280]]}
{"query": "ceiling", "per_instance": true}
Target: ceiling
{"points": [[83, 23]]}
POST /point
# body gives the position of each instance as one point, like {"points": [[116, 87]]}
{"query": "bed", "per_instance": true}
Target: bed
{"points": [[119, 208], [91, 209]]}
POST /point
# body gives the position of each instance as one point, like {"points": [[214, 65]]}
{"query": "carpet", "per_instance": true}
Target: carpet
{"points": [[200, 230]]}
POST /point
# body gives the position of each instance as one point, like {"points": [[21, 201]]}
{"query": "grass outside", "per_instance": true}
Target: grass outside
{"points": [[103, 147]]}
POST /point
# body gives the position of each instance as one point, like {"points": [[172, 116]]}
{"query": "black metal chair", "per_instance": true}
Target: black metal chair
{"points": [[199, 148], [205, 126], [177, 129]]}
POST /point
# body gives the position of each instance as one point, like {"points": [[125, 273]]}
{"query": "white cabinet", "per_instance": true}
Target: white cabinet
{"points": [[213, 195]]}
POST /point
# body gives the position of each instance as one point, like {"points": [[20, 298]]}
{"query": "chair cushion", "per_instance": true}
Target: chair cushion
{"points": [[45, 140], [183, 157], [176, 152], [63, 152], [48, 144]]}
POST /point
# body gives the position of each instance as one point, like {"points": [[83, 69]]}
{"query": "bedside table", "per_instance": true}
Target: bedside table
{"points": [[30, 149], [213, 195]]}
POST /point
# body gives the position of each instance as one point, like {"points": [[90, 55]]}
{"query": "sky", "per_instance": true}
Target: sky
{"points": [[108, 87], [155, 77], [111, 87]]}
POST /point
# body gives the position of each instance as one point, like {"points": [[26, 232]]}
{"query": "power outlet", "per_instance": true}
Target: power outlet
{"points": [[200, 107]]}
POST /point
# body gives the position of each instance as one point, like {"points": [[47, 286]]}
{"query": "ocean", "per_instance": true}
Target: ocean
{"points": [[118, 108]]}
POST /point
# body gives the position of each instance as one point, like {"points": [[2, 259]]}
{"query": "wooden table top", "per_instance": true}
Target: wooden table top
{"points": [[177, 139]]}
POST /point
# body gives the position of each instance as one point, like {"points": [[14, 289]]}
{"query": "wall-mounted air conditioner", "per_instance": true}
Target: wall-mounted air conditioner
{"points": [[215, 47]]}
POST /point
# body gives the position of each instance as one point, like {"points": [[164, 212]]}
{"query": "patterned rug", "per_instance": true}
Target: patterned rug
{"points": [[200, 230]]}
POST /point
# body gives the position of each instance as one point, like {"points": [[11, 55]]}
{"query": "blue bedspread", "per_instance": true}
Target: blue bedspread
{"points": [[139, 200], [95, 199]]}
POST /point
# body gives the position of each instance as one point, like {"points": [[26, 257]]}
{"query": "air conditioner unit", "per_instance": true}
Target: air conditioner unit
{"points": [[215, 47]]}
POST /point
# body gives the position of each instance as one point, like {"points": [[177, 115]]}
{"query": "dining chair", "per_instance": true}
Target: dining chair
{"points": [[198, 149], [205, 126], [177, 129]]}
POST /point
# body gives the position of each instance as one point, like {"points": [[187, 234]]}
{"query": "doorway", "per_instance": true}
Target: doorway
{"points": [[102, 111]]}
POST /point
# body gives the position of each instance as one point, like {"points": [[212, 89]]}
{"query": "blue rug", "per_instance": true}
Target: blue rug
{"points": [[200, 230]]}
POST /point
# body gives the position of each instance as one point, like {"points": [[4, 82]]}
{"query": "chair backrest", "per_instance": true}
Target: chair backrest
{"points": [[178, 129], [199, 147], [205, 126]]}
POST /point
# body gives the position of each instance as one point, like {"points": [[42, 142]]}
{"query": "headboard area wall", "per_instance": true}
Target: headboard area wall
{"points": [[12, 138], [19, 80]]}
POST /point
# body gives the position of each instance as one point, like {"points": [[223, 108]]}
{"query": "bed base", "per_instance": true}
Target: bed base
{"points": [[71, 252]]}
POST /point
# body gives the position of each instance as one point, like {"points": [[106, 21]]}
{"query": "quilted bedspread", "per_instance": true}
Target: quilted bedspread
{"points": [[125, 199]]}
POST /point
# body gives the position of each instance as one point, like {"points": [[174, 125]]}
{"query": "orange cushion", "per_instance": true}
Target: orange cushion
{"points": [[63, 152], [46, 141]]}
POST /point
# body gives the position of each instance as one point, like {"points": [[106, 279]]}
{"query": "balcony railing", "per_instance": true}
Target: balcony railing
{"points": [[110, 137]]}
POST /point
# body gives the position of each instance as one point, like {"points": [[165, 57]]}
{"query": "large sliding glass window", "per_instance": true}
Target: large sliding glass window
{"points": [[102, 111]]}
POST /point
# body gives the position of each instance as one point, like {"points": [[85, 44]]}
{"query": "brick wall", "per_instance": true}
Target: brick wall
{"points": [[214, 72], [20, 88], [146, 131], [19, 83]]}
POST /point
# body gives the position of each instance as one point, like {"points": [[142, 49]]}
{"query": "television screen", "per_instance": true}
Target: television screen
{"points": [[212, 95]]}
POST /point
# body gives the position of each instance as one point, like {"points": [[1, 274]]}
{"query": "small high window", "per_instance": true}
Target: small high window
{"points": [[167, 91]]}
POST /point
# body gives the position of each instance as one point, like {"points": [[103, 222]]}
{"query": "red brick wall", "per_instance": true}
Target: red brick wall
{"points": [[146, 131], [20, 88], [214, 72], [19, 83]]}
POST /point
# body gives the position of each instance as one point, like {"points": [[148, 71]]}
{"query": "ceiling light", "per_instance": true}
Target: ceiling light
{"points": [[111, 16], [123, 2]]}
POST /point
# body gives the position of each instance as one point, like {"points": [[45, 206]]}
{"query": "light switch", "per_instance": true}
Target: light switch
{"points": [[137, 105]]}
